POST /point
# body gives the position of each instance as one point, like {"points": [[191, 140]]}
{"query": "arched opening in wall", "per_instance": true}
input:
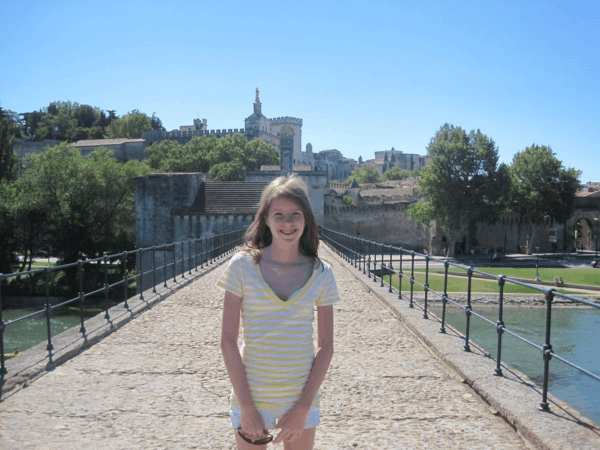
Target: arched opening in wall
{"points": [[584, 234]]}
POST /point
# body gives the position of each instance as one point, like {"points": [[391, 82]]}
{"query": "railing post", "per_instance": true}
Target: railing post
{"points": [[154, 269], [391, 270], [105, 288], [400, 275], [82, 329], [165, 265], [426, 287], [49, 347], [196, 255], [182, 261], [500, 325], [468, 310], [174, 263], [126, 279], [189, 257], [201, 255], [444, 297], [3, 370], [412, 278], [547, 350], [141, 271], [375, 264]]}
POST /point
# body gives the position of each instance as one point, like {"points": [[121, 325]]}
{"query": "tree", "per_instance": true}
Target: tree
{"points": [[8, 224], [348, 200], [226, 158], [462, 182], [156, 123], [363, 175], [129, 126], [541, 187], [88, 201], [8, 157]]}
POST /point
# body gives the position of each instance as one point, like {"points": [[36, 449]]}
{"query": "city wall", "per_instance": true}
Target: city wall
{"points": [[316, 181], [382, 223]]}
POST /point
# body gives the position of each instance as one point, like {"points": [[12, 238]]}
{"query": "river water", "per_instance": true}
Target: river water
{"points": [[575, 336]]}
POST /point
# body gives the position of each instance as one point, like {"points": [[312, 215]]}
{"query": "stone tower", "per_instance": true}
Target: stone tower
{"points": [[257, 105], [286, 149]]}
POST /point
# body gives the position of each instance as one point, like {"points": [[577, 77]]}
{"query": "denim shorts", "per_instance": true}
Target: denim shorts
{"points": [[271, 416]]}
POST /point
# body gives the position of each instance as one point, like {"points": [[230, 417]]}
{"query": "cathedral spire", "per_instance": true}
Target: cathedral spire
{"points": [[257, 105]]}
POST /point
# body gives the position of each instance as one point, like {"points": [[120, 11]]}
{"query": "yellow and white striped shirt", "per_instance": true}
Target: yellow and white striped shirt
{"points": [[277, 349]]}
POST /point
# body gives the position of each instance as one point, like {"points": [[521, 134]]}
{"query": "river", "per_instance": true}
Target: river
{"points": [[575, 336]]}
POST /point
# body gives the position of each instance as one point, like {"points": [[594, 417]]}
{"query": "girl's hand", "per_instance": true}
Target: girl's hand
{"points": [[292, 424], [253, 424]]}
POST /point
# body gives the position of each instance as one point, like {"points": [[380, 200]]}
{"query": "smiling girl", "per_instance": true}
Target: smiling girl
{"points": [[274, 284]]}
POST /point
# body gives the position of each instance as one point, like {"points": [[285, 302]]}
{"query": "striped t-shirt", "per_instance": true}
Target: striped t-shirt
{"points": [[277, 349]]}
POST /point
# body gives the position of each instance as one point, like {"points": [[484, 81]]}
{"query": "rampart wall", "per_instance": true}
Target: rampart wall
{"points": [[286, 120], [316, 181], [24, 146], [382, 223]]}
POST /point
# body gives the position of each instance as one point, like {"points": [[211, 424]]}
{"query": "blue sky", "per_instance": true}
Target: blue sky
{"points": [[363, 76]]}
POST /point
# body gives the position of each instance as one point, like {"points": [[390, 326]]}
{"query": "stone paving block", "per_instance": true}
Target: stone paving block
{"points": [[160, 382]]}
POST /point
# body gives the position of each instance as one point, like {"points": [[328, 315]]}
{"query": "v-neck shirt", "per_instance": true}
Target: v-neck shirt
{"points": [[277, 335]]}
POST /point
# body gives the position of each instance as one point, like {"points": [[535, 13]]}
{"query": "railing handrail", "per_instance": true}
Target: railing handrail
{"points": [[204, 252], [357, 251]]}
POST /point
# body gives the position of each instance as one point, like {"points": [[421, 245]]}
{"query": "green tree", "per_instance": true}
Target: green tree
{"points": [[541, 187], [395, 173], [88, 201], [8, 157], [363, 175], [226, 158], [348, 200], [129, 126], [8, 225], [462, 182]]}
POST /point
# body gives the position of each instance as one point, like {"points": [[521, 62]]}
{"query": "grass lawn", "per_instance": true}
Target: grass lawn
{"points": [[590, 277], [456, 284]]}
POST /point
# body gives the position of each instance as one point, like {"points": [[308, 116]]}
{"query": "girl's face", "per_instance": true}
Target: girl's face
{"points": [[286, 221]]}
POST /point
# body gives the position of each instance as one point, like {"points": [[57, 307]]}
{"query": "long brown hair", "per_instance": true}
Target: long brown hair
{"points": [[259, 234]]}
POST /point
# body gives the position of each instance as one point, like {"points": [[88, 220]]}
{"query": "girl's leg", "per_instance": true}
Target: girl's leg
{"points": [[304, 442], [243, 445]]}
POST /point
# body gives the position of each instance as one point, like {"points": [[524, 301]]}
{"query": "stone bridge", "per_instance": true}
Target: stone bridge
{"points": [[157, 380]]}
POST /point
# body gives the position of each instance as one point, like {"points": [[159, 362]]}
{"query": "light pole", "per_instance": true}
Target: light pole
{"points": [[537, 271]]}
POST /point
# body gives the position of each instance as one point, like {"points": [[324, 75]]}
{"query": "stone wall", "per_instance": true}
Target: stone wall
{"points": [[512, 232], [383, 223], [316, 182], [124, 151], [155, 197]]}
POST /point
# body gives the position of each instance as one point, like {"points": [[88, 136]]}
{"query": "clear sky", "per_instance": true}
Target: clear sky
{"points": [[363, 76]]}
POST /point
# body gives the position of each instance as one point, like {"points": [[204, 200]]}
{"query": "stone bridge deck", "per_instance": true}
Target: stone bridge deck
{"points": [[160, 382]]}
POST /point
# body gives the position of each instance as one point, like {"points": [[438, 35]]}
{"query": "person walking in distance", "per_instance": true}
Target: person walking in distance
{"points": [[274, 284]]}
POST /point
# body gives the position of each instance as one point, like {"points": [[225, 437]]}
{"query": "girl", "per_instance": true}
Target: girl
{"points": [[274, 283]]}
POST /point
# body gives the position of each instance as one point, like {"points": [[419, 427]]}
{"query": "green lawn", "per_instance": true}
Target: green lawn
{"points": [[590, 277], [456, 284]]}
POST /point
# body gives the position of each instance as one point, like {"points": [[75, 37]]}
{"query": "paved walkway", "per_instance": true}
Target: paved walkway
{"points": [[160, 382]]}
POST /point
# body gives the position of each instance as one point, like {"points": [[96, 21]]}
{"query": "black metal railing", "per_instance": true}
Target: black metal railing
{"points": [[376, 260], [174, 260]]}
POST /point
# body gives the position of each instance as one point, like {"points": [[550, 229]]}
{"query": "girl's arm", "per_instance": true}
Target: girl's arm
{"points": [[323, 357], [252, 422]]}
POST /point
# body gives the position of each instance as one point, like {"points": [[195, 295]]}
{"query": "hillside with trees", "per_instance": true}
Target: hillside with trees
{"points": [[71, 122]]}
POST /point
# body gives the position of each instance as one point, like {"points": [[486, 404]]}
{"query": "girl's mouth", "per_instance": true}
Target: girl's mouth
{"points": [[288, 233]]}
